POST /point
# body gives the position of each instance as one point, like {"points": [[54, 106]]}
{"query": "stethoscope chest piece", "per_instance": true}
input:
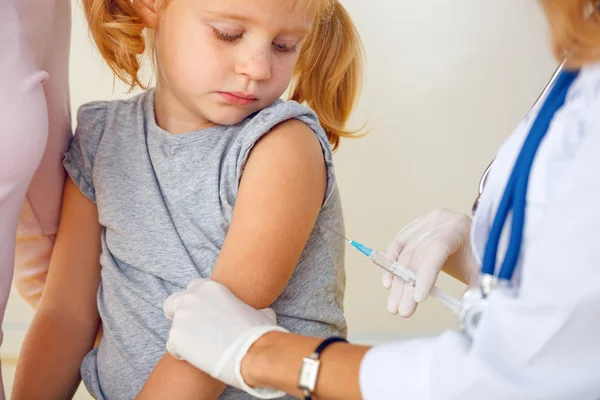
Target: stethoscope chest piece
{"points": [[471, 311], [474, 304]]}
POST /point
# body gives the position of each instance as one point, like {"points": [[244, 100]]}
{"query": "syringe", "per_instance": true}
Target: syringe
{"points": [[401, 272], [404, 273]]}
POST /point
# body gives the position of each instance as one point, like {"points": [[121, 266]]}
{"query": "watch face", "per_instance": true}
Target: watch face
{"points": [[308, 375]]}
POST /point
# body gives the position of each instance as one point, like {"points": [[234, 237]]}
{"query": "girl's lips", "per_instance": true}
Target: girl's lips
{"points": [[237, 98]]}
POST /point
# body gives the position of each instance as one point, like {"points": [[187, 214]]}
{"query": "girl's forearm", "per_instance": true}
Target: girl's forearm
{"points": [[174, 379], [51, 356], [274, 361]]}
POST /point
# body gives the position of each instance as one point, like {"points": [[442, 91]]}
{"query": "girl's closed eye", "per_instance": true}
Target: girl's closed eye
{"points": [[285, 48], [227, 37], [235, 37]]}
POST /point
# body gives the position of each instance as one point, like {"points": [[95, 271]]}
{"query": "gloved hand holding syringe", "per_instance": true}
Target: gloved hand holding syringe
{"points": [[401, 272]]}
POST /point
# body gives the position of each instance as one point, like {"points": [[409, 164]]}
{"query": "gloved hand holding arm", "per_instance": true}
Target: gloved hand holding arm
{"points": [[219, 334], [237, 327]]}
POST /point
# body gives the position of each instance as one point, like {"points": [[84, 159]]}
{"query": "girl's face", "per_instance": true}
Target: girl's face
{"points": [[219, 61]]}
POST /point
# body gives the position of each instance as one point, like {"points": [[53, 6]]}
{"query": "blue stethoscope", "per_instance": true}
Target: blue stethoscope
{"points": [[512, 205]]}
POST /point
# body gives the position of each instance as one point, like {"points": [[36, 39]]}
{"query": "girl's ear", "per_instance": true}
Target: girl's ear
{"points": [[147, 11]]}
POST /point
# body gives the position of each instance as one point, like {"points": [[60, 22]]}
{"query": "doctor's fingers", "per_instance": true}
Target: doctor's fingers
{"points": [[392, 252], [401, 296], [430, 260], [170, 305], [172, 348], [401, 299], [402, 242], [395, 296]]}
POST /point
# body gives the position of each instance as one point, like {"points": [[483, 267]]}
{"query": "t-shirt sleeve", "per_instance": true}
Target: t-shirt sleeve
{"points": [[268, 118], [79, 158]]}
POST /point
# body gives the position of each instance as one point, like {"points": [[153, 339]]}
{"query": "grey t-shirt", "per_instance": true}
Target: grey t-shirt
{"points": [[165, 203]]}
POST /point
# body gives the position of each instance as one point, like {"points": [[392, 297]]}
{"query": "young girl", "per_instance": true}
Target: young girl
{"points": [[537, 335], [207, 175]]}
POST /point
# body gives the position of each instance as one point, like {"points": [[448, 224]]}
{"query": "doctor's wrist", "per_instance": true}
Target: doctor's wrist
{"points": [[259, 367], [253, 362], [275, 359]]}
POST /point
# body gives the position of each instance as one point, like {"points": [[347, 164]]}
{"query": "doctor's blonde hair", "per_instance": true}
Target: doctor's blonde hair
{"points": [[327, 77], [575, 30]]}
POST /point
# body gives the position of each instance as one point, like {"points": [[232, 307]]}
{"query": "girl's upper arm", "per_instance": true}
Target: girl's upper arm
{"points": [[74, 274], [279, 198]]}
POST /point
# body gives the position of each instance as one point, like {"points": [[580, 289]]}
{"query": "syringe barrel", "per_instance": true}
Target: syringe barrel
{"points": [[410, 278], [395, 268]]}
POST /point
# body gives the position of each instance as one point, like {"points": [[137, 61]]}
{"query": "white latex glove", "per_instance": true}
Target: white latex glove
{"points": [[441, 238], [213, 330]]}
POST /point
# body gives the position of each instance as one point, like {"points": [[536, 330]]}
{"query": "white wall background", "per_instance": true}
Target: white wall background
{"points": [[446, 82]]}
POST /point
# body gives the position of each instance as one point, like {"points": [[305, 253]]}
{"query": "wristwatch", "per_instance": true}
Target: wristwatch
{"points": [[307, 381]]}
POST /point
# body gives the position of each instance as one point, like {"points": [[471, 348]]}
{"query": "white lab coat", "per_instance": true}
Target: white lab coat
{"points": [[541, 341]]}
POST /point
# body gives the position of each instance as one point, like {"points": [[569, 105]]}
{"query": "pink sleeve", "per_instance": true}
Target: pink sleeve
{"points": [[48, 32]]}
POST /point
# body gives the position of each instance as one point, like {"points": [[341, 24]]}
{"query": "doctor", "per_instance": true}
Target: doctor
{"points": [[530, 324]]}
